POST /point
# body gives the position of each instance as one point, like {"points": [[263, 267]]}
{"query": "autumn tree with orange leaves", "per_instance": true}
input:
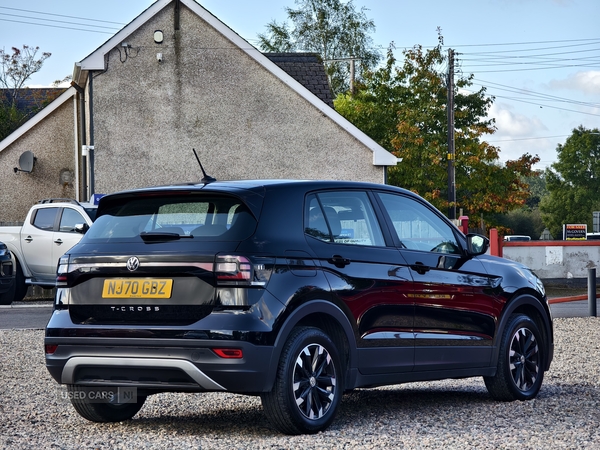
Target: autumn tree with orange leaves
{"points": [[403, 108]]}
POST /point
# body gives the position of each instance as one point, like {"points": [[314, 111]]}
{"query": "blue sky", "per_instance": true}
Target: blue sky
{"points": [[536, 106]]}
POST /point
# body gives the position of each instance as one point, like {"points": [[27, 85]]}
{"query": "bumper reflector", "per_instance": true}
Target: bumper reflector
{"points": [[50, 348], [229, 353]]}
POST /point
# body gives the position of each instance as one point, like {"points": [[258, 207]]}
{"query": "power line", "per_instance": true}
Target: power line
{"points": [[61, 15], [56, 21], [545, 106], [502, 52], [56, 26], [528, 43], [526, 69], [540, 96]]}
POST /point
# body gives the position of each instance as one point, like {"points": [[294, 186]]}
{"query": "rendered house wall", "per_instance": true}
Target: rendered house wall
{"points": [[208, 94]]}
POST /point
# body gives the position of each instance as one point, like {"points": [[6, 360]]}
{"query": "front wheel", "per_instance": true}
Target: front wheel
{"points": [[104, 404], [308, 386], [520, 363]]}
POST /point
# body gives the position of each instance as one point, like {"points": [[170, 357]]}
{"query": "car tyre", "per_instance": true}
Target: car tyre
{"points": [[20, 286], [520, 363], [95, 409], [308, 385]]}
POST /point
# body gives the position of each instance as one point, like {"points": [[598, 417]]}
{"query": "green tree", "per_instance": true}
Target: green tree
{"points": [[15, 69], [537, 188], [333, 29], [403, 108], [525, 221], [573, 182]]}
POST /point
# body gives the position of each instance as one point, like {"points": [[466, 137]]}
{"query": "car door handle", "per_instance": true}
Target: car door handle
{"points": [[339, 261], [29, 239], [420, 268], [58, 241]]}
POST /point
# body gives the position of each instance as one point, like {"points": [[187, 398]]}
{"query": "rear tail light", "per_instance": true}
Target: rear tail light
{"points": [[229, 353], [236, 270], [62, 270], [235, 274], [233, 270]]}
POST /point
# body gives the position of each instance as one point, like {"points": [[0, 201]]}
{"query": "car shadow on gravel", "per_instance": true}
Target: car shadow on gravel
{"points": [[361, 407], [244, 417], [422, 407], [401, 400]]}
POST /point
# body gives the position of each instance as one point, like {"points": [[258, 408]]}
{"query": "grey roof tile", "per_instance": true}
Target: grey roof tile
{"points": [[308, 70]]}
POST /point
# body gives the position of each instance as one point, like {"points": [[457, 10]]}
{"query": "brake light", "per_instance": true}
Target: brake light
{"points": [[50, 348], [233, 268], [62, 270], [235, 274], [237, 270], [229, 353]]}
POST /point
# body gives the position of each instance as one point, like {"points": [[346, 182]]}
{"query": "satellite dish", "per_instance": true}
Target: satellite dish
{"points": [[26, 162]]}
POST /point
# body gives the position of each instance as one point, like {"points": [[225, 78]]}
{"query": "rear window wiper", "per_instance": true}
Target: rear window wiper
{"points": [[154, 236]]}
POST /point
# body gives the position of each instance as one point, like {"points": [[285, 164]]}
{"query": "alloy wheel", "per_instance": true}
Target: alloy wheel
{"points": [[314, 381], [524, 359]]}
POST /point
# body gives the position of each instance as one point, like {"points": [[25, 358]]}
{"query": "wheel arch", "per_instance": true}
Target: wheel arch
{"points": [[529, 305], [327, 317]]}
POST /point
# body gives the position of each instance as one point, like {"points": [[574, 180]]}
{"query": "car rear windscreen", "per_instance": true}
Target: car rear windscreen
{"points": [[204, 217]]}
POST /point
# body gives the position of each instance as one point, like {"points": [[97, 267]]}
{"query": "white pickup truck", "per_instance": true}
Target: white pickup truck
{"points": [[51, 228]]}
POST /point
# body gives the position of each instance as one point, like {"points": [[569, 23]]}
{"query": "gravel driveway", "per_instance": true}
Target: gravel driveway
{"points": [[446, 414]]}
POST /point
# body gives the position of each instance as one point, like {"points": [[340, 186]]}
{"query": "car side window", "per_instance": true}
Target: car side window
{"points": [[418, 227], [342, 217], [69, 219], [44, 218]]}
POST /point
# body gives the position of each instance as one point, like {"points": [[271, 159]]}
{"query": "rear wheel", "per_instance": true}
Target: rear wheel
{"points": [[308, 386], [520, 363], [102, 404]]}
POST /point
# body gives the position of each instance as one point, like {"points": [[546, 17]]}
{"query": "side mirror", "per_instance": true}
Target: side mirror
{"points": [[82, 228], [477, 244]]}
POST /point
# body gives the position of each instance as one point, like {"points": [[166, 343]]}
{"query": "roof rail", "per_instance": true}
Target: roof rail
{"points": [[59, 200]]}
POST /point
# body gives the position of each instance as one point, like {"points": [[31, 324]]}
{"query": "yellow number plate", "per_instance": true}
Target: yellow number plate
{"points": [[137, 288]]}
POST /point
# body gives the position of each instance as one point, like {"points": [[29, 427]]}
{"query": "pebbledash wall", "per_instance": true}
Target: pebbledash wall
{"points": [[207, 93], [555, 260], [53, 142]]}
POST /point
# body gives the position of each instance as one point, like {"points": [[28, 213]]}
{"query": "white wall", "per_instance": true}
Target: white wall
{"points": [[555, 259]]}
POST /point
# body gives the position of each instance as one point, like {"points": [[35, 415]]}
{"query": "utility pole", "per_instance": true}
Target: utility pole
{"points": [[352, 60], [352, 76], [451, 148]]}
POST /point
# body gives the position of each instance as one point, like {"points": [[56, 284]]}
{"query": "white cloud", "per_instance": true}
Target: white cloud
{"points": [[511, 124], [586, 82], [519, 134]]}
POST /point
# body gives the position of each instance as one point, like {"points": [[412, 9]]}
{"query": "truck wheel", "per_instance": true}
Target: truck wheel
{"points": [[308, 386], [20, 286], [520, 362], [100, 404]]}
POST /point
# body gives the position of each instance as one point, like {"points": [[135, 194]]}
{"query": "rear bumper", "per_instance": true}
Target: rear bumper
{"points": [[167, 365]]}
